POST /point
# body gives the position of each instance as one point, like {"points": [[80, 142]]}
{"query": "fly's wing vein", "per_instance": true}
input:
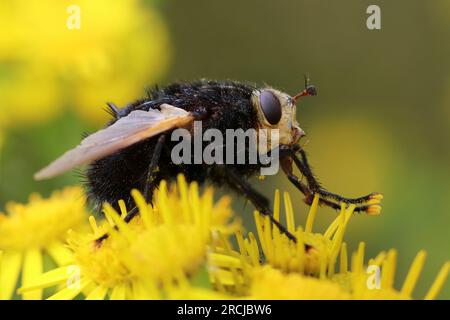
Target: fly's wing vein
{"points": [[126, 131]]}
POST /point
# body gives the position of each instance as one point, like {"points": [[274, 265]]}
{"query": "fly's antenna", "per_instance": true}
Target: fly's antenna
{"points": [[310, 90]]}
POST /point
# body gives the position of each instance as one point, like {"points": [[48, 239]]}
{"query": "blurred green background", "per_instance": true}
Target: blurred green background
{"points": [[381, 120]]}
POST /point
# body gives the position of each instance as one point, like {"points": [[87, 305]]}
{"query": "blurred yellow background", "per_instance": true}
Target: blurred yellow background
{"points": [[380, 122]]}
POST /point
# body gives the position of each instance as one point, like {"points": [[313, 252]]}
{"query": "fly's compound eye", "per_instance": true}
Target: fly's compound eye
{"points": [[270, 106]]}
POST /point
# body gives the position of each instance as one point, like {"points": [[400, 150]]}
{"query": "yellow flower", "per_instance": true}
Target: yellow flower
{"points": [[41, 102], [32, 230], [272, 267], [271, 283], [185, 236], [120, 47], [154, 256], [376, 280], [314, 254]]}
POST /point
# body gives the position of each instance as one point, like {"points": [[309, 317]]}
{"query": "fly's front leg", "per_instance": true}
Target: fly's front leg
{"points": [[369, 203], [286, 165], [304, 167]]}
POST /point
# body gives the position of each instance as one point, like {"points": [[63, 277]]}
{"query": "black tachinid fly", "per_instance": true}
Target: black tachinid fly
{"points": [[134, 149]]}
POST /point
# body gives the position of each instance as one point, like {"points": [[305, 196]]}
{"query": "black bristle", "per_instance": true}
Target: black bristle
{"points": [[85, 134], [112, 109]]}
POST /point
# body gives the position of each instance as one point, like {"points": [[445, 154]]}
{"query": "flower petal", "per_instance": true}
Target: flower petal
{"points": [[9, 272], [60, 253], [32, 269], [71, 291], [50, 278], [438, 282], [118, 293], [99, 293]]}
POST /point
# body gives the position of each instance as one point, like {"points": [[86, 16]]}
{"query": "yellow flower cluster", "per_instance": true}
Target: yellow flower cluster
{"points": [[56, 53], [153, 256], [30, 232], [272, 267], [187, 246]]}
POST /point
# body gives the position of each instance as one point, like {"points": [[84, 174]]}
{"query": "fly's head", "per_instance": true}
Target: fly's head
{"points": [[277, 110]]}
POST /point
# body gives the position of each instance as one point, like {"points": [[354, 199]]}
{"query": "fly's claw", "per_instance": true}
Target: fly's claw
{"points": [[373, 210], [373, 207], [376, 195]]}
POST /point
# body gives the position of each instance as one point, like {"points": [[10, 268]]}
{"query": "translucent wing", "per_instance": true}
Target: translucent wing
{"points": [[135, 127]]}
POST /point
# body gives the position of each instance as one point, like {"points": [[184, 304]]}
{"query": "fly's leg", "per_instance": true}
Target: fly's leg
{"points": [[259, 201], [148, 183], [153, 166], [304, 167], [369, 203], [200, 114]]}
